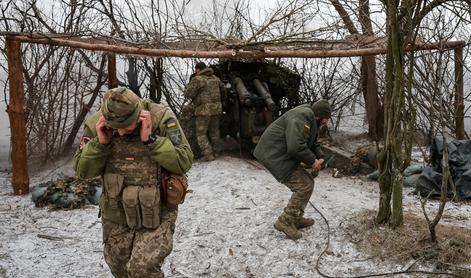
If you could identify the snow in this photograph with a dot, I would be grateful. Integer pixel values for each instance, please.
(224, 228)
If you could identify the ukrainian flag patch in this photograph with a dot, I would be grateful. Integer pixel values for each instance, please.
(171, 123)
(307, 131)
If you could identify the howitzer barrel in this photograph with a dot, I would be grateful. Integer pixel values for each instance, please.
(265, 94)
(242, 92)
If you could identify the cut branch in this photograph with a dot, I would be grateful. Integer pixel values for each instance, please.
(267, 52)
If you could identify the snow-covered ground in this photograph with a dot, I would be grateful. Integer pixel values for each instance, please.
(224, 228)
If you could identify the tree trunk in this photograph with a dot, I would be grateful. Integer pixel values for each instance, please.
(390, 162)
(374, 109)
(368, 78)
(397, 114)
(385, 188)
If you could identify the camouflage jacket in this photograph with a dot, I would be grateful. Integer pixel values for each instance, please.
(205, 89)
(170, 150)
(288, 141)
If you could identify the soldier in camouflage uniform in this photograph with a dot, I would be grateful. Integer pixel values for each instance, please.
(287, 142)
(129, 142)
(205, 90)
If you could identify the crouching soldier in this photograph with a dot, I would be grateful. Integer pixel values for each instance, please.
(287, 142)
(136, 146)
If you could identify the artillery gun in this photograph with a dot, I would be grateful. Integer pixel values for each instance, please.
(257, 93)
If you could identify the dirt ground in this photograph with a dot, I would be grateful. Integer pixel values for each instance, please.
(411, 244)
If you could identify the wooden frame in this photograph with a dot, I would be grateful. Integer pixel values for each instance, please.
(20, 178)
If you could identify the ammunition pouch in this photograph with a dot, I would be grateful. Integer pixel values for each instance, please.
(113, 184)
(149, 199)
(174, 188)
(110, 201)
(132, 205)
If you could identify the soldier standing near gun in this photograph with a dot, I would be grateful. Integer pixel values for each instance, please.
(141, 152)
(205, 90)
(287, 142)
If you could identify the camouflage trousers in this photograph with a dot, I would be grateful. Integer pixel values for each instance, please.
(301, 184)
(138, 253)
(207, 125)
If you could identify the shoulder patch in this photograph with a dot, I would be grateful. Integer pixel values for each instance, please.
(175, 136)
(171, 123)
(173, 132)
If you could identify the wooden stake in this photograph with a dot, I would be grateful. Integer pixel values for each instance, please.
(459, 94)
(20, 178)
(112, 79)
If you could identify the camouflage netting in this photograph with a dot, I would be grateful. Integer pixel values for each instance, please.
(67, 193)
(282, 82)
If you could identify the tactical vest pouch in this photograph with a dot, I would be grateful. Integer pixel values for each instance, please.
(113, 184)
(149, 199)
(131, 206)
(174, 189)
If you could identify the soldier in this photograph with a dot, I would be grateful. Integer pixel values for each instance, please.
(130, 142)
(205, 90)
(287, 142)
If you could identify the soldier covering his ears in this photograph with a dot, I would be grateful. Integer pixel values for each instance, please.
(130, 142)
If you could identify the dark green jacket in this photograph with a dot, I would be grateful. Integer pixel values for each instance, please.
(288, 141)
(91, 157)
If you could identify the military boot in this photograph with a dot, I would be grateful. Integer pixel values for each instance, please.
(285, 224)
(304, 222)
(208, 155)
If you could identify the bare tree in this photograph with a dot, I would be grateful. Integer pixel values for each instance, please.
(77, 75)
(57, 80)
(403, 20)
(374, 109)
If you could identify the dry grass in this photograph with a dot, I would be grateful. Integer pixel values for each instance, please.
(411, 242)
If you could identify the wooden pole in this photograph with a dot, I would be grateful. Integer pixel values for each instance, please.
(459, 94)
(20, 178)
(267, 52)
(112, 79)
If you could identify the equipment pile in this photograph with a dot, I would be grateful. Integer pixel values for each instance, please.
(67, 193)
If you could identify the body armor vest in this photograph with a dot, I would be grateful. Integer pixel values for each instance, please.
(132, 184)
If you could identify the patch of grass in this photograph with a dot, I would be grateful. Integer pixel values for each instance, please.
(411, 242)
